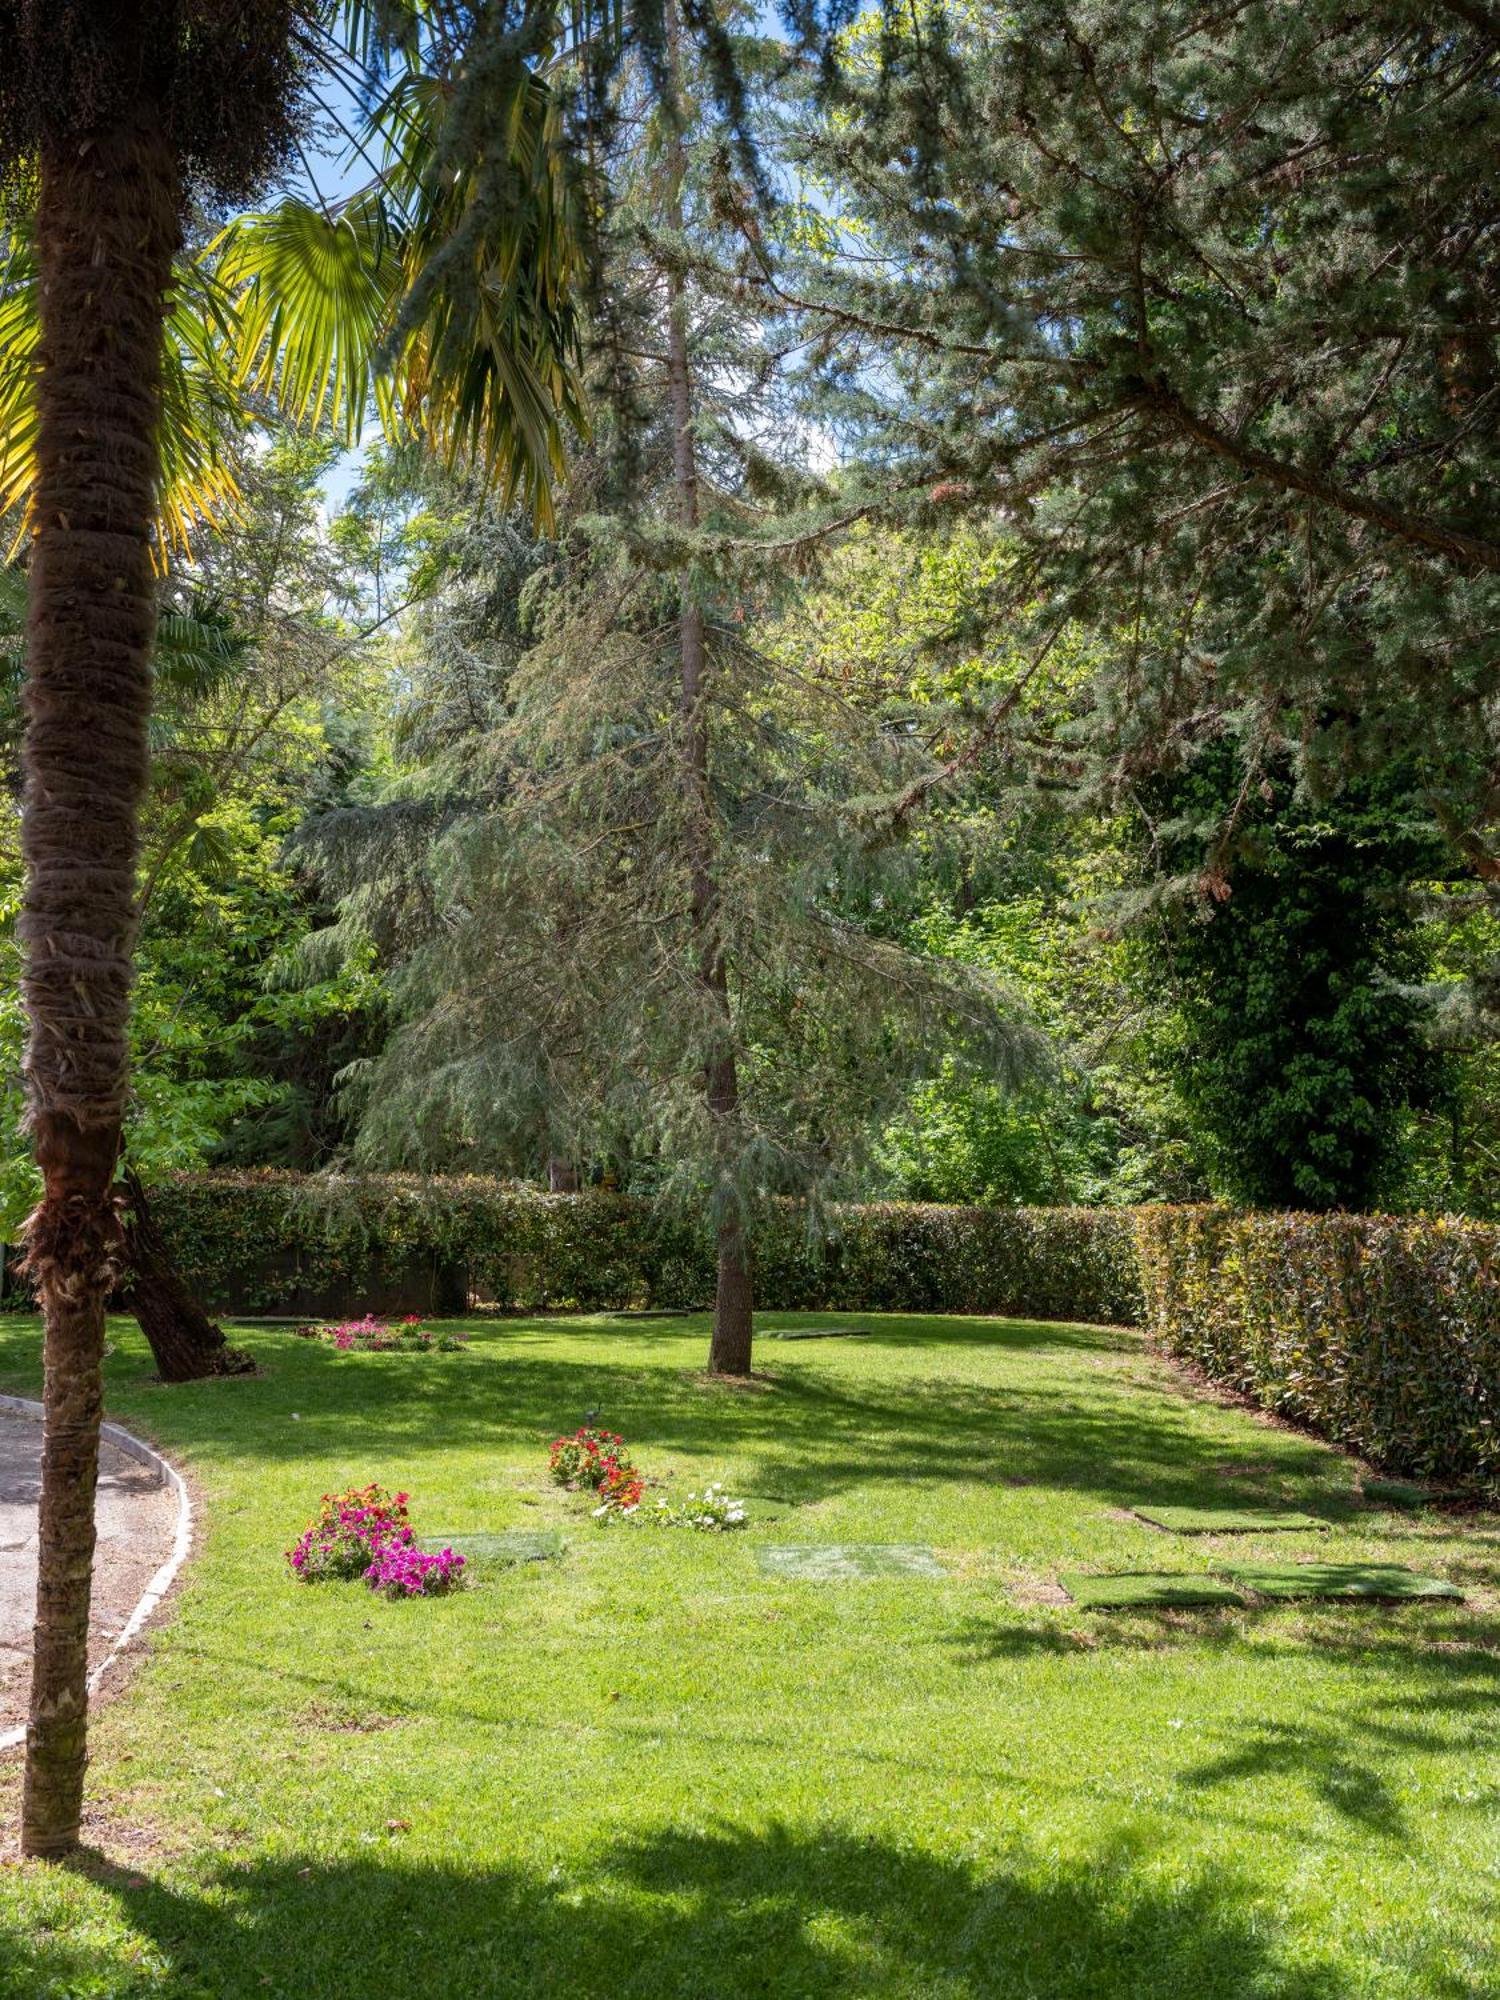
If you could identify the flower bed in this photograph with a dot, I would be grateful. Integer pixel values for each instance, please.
(366, 1532)
(380, 1336)
(597, 1461)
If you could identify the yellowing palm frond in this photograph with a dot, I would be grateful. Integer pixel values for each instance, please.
(200, 401)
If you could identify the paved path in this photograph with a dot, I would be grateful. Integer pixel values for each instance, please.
(136, 1514)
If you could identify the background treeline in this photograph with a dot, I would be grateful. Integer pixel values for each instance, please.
(1314, 1032)
(1001, 708)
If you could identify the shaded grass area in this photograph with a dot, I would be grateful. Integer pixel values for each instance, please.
(650, 1769)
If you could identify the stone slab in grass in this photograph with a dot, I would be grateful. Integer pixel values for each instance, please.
(834, 1562)
(1405, 1495)
(1339, 1580)
(515, 1545)
(1227, 1520)
(1146, 1590)
(816, 1333)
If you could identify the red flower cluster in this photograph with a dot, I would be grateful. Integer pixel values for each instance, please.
(597, 1459)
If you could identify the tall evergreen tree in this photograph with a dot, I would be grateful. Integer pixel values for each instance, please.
(1200, 307)
(645, 915)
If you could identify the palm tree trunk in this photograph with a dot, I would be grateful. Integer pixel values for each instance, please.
(729, 1348)
(106, 229)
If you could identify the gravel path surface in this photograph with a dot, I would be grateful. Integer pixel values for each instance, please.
(136, 1514)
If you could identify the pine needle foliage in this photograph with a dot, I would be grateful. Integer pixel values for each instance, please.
(590, 840)
(1200, 304)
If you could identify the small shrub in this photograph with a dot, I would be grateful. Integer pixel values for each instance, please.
(589, 1458)
(348, 1533)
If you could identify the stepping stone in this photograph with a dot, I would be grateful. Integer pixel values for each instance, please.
(1348, 1580)
(516, 1545)
(817, 1333)
(1146, 1588)
(831, 1562)
(1403, 1494)
(1227, 1520)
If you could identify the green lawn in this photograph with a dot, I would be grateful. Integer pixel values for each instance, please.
(653, 1769)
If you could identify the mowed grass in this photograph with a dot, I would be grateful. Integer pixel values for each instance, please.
(653, 1769)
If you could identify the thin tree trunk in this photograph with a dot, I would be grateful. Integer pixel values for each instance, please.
(729, 1349)
(185, 1343)
(106, 228)
(562, 1175)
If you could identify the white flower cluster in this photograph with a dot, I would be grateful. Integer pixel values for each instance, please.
(712, 1509)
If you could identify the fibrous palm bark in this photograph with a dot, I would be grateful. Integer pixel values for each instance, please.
(107, 108)
(106, 230)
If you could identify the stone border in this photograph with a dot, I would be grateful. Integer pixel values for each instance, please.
(162, 1581)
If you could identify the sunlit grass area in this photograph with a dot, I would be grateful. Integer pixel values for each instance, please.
(653, 1769)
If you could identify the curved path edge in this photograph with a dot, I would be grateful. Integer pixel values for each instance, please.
(161, 1582)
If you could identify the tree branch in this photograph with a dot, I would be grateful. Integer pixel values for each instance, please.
(1472, 551)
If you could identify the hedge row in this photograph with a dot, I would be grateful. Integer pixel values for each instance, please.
(1379, 1332)
(268, 1242)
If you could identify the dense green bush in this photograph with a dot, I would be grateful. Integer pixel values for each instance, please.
(1380, 1332)
(267, 1240)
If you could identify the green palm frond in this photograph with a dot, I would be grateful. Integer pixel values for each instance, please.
(313, 291)
(198, 651)
(449, 312)
(490, 328)
(443, 307)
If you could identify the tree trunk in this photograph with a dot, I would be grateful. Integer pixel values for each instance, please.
(562, 1175)
(186, 1344)
(106, 229)
(729, 1348)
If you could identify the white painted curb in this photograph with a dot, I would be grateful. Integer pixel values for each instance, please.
(161, 1583)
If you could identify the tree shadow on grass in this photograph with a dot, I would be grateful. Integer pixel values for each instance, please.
(816, 1435)
(1318, 1756)
(720, 1914)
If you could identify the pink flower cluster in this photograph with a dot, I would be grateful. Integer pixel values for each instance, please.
(365, 1532)
(379, 1336)
(400, 1569)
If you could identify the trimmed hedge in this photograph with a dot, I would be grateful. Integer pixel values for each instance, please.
(1381, 1333)
(268, 1241)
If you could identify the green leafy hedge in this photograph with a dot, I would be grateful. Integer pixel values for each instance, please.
(1379, 1332)
(268, 1241)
